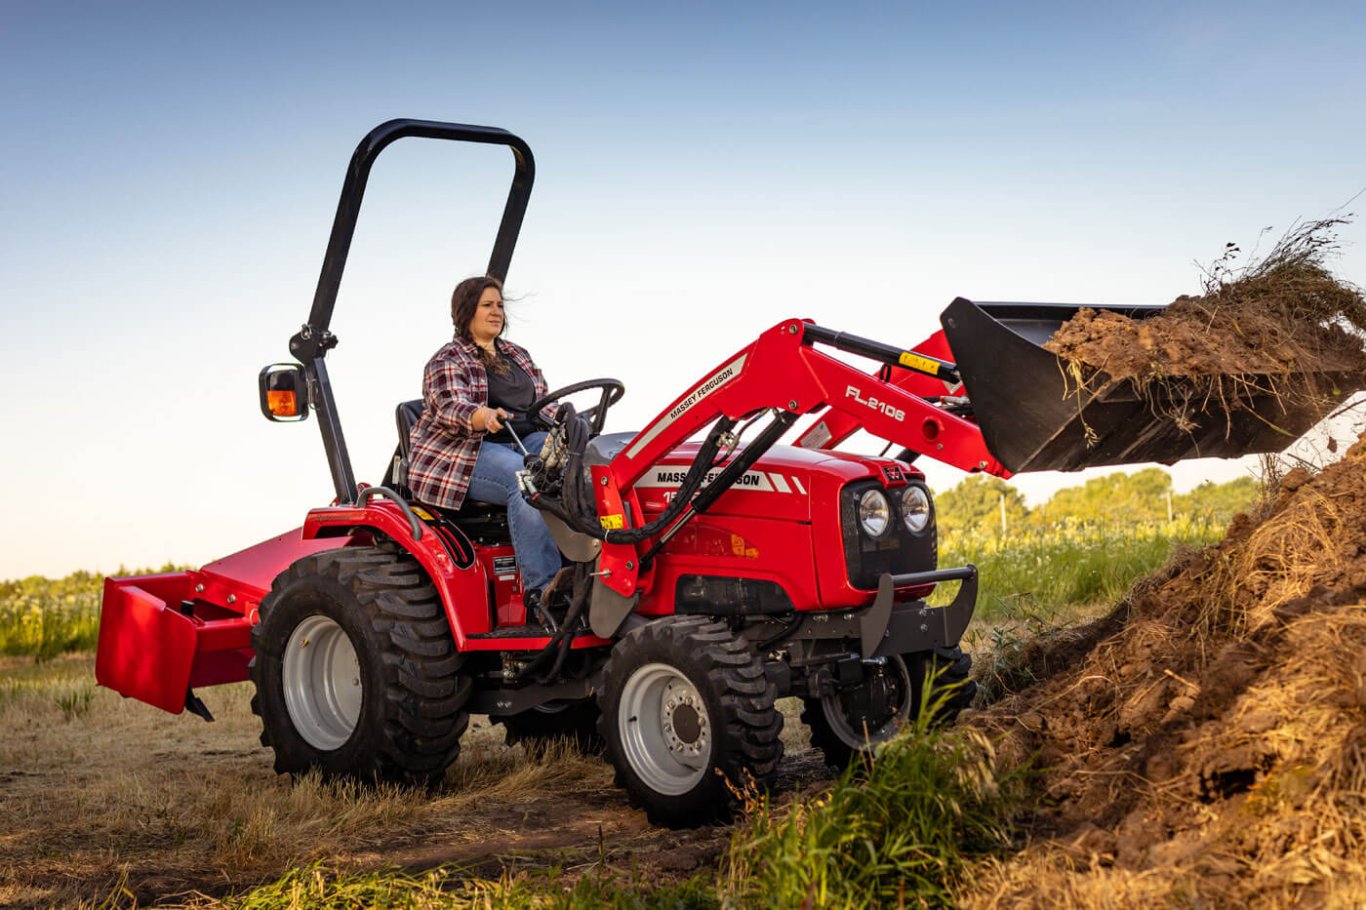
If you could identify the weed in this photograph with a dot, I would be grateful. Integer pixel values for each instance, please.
(75, 702)
(894, 830)
(44, 617)
(315, 887)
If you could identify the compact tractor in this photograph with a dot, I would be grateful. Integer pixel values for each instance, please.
(709, 571)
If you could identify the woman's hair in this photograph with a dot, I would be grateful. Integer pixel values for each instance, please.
(464, 302)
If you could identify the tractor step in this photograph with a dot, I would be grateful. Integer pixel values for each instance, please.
(525, 638)
(527, 631)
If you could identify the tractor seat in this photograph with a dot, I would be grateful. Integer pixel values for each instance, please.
(406, 416)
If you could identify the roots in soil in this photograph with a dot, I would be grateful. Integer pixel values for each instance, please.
(1211, 751)
(1283, 326)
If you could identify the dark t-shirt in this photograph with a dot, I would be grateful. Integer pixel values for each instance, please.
(513, 391)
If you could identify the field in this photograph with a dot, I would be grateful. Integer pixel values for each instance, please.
(107, 800)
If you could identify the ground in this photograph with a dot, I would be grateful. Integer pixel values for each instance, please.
(96, 790)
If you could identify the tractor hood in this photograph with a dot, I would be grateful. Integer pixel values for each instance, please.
(781, 485)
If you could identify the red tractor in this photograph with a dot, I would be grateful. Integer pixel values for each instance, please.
(704, 580)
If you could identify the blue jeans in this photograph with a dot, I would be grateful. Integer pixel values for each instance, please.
(494, 481)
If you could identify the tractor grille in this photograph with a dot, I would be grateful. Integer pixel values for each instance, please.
(897, 550)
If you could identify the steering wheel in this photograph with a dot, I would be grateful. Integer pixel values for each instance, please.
(612, 390)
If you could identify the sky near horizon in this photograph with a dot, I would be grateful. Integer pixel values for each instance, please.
(169, 173)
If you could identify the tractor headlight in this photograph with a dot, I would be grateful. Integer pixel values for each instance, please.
(874, 513)
(915, 508)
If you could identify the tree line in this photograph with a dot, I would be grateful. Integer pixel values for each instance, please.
(984, 504)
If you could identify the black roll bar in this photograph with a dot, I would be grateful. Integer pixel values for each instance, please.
(313, 340)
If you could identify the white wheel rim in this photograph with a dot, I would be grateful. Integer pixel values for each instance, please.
(665, 729)
(323, 691)
(859, 737)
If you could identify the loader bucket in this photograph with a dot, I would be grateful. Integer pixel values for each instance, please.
(1034, 419)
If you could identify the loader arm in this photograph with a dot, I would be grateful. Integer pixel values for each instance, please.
(783, 372)
(833, 426)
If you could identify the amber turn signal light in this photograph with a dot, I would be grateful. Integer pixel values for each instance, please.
(282, 404)
(284, 392)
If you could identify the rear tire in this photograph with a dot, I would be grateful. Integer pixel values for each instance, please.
(840, 739)
(575, 723)
(688, 717)
(356, 671)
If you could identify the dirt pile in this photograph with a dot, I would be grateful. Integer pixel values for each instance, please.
(1210, 750)
(1283, 326)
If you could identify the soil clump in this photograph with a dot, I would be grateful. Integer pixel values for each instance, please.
(1284, 326)
(1211, 751)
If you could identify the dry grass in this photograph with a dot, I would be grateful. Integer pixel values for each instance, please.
(120, 800)
(1211, 751)
(120, 788)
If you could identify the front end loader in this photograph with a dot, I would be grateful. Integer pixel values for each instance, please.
(708, 569)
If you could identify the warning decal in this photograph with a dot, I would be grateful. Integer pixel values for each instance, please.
(915, 362)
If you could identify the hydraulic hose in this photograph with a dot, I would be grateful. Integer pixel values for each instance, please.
(562, 641)
(579, 507)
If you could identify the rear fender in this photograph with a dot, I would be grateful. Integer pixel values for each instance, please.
(448, 558)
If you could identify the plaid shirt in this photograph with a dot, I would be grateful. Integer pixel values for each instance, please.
(445, 443)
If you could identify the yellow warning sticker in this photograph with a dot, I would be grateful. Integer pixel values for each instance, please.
(612, 522)
(916, 362)
(423, 513)
(741, 548)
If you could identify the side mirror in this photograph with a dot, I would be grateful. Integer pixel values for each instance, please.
(284, 392)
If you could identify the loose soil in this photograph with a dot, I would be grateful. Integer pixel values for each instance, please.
(1205, 744)
(1284, 326)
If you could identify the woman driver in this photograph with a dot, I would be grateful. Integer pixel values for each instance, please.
(473, 390)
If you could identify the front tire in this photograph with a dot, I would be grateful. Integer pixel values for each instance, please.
(840, 738)
(688, 717)
(356, 671)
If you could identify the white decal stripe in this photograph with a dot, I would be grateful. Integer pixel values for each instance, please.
(780, 482)
(672, 478)
(800, 489)
(702, 390)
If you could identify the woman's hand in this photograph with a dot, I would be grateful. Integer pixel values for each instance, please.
(490, 420)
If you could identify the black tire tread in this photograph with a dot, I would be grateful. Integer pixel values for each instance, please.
(950, 668)
(749, 746)
(425, 696)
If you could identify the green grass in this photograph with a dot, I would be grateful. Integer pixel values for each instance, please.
(1032, 571)
(316, 887)
(43, 617)
(894, 831)
(1044, 572)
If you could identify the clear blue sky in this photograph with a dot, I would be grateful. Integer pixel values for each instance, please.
(169, 172)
